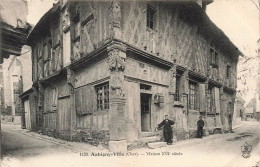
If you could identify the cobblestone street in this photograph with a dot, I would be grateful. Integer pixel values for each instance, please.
(25, 148)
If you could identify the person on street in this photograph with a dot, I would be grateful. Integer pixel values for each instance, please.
(200, 125)
(167, 129)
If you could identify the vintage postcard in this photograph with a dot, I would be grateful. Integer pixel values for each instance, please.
(130, 83)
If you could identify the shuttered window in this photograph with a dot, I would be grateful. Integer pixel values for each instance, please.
(211, 100)
(47, 58)
(66, 48)
(192, 95)
(85, 100)
(177, 90)
(102, 92)
(150, 16)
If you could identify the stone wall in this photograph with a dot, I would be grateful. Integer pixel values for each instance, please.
(94, 137)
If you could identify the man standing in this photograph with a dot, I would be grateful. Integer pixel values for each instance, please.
(200, 125)
(167, 129)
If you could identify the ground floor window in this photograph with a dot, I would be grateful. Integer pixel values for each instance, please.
(192, 95)
(102, 92)
(177, 89)
(211, 100)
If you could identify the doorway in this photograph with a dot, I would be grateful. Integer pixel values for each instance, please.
(145, 112)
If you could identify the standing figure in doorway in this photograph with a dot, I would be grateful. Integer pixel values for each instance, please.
(167, 129)
(200, 125)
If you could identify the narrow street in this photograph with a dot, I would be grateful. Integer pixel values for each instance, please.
(25, 148)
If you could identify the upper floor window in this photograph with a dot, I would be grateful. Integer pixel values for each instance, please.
(150, 16)
(228, 71)
(77, 29)
(66, 48)
(76, 38)
(47, 57)
(213, 58)
(102, 92)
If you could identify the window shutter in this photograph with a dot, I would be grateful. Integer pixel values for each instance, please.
(89, 98)
(202, 100)
(84, 100)
(94, 99)
(217, 100)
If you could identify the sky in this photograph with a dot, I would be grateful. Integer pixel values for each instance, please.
(238, 19)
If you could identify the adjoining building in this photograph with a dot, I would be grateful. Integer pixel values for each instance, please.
(107, 72)
(239, 111)
(15, 81)
(258, 107)
(13, 35)
(250, 109)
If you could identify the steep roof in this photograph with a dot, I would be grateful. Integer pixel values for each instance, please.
(43, 23)
(194, 14)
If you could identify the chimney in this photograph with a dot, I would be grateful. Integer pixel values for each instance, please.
(203, 3)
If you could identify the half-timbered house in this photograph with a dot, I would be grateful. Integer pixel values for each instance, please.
(108, 71)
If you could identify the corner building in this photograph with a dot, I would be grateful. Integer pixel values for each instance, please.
(108, 72)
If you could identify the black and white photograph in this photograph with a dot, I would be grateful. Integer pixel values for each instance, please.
(134, 83)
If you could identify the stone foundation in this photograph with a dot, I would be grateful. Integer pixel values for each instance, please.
(94, 138)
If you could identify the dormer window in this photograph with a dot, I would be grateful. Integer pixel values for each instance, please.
(213, 58)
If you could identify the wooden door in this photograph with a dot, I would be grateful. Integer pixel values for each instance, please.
(27, 114)
(145, 112)
(64, 114)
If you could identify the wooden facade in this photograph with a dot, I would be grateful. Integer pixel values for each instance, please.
(108, 72)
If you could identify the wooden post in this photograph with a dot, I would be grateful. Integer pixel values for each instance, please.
(206, 106)
(222, 109)
(209, 73)
(71, 83)
(172, 87)
(41, 104)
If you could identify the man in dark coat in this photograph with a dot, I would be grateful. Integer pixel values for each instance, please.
(167, 129)
(200, 125)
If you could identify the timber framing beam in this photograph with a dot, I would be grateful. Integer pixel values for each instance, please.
(12, 40)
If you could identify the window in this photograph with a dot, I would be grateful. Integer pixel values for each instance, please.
(150, 16)
(76, 39)
(66, 48)
(102, 96)
(192, 95)
(213, 58)
(228, 71)
(177, 90)
(211, 100)
(145, 87)
(47, 57)
(77, 30)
